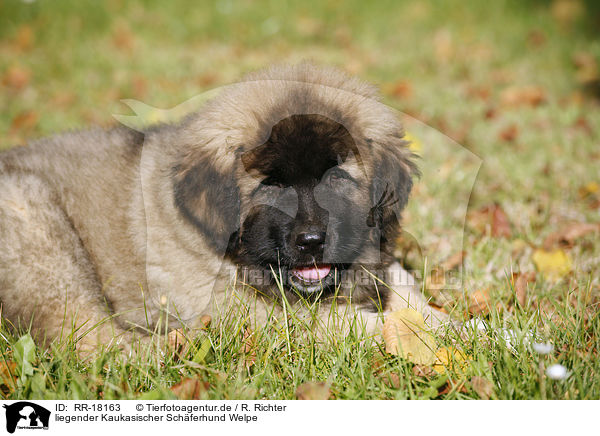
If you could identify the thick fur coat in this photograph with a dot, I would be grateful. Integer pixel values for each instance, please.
(105, 231)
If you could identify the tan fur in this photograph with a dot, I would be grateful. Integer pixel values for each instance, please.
(89, 227)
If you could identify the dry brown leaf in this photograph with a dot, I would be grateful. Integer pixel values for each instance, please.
(566, 12)
(16, 77)
(509, 133)
(249, 345)
(424, 371)
(191, 389)
(24, 121)
(490, 113)
(522, 96)
(520, 282)
(452, 386)
(178, 343)
(482, 387)
(313, 391)
(24, 38)
(587, 67)
(405, 334)
(401, 89)
(8, 378)
(568, 234)
(536, 38)
(479, 302)
(453, 261)
(479, 92)
(123, 38)
(500, 223)
(582, 123)
(205, 320)
(392, 380)
(492, 217)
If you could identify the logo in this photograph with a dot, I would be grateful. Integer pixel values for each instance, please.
(26, 415)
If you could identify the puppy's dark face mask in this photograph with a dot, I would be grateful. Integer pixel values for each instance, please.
(310, 216)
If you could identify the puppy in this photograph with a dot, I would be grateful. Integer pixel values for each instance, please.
(285, 192)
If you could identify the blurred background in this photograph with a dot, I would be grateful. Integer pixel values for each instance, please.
(516, 83)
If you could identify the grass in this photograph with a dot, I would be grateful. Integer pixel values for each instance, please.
(65, 65)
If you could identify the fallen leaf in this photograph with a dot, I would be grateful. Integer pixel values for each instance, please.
(16, 77)
(500, 223)
(587, 67)
(191, 389)
(424, 371)
(509, 133)
(553, 264)
(479, 302)
(584, 125)
(490, 113)
(450, 357)
(178, 343)
(516, 96)
(520, 283)
(566, 12)
(491, 217)
(205, 320)
(453, 261)
(482, 387)
(313, 391)
(405, 335)
(401, 89)
(392, 380)
(451, 386)
(123, 37)
(8, 377)
(24, 38)
(480, 92)
(207, 79)
(24, 121)
(568, 234)
(249, 349)
(536, 38)
(589, 189)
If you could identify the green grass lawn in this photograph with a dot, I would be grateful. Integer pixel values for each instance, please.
(515, 83)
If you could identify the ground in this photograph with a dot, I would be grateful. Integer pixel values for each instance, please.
(514, 83)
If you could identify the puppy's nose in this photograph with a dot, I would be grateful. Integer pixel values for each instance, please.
(310, 241)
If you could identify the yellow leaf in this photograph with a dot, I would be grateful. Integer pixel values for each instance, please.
(553, 264)
(405, 335)
(415, 145)
(450, 357)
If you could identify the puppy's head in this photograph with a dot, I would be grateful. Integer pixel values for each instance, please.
(316, 195)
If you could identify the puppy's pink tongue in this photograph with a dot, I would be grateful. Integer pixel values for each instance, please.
(312, 273)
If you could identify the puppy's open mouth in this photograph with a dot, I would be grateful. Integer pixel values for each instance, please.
(311, 278)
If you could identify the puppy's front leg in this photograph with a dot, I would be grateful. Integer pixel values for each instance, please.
(404, 294)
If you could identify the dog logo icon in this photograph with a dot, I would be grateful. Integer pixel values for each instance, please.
(26, 415)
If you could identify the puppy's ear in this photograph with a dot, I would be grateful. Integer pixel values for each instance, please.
(210, 200)
(390, 189)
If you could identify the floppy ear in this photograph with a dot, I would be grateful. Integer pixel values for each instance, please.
(210, 200)
(390, 189)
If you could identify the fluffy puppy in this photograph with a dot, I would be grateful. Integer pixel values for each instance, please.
(287, 188)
